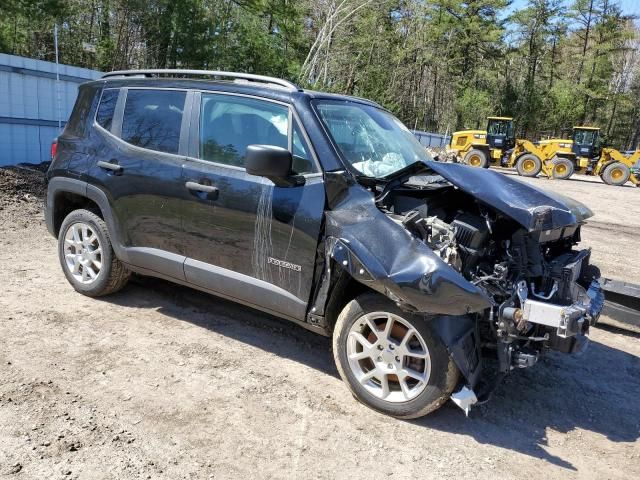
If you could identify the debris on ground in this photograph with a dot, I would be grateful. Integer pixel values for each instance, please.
(22, 191)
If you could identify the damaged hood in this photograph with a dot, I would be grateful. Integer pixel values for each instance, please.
(531, 207)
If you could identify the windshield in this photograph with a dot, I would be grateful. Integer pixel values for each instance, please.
(584, 137)
(500, 127)
(373, 141)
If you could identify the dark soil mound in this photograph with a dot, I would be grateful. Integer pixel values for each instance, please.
(22, 192)
(21, 182)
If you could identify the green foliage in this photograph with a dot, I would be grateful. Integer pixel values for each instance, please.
(440, 65)
(473, 107)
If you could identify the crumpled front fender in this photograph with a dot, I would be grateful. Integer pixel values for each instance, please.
(420, 284)
(381, 254)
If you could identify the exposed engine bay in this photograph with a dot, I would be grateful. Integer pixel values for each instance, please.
(544, 294)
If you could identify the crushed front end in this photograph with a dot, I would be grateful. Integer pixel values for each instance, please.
(543, 292)
(550, 297)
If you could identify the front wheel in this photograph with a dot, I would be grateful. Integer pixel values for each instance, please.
(392, 361)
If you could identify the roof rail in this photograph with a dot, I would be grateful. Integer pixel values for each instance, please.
(210, 73)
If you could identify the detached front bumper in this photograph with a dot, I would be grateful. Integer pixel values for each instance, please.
(567, 325)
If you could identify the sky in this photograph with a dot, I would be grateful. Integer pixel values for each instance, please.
(628, 6)
(631, 6)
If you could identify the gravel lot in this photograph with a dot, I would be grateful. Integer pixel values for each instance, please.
(614, 230)
(160, 381)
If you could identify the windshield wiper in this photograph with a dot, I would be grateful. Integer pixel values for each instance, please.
(399, 177)
(405, 173)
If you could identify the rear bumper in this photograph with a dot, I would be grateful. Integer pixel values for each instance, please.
(48, 216)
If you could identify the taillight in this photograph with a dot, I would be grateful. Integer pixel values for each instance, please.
(54, 149)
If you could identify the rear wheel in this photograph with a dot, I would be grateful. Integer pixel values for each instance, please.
(477, 158)
(86, 255)
(616, 174)
(563, 168)
(528, 165)
(392, 361)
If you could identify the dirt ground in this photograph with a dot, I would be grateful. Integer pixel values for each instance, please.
(160, 381)
(613, 232)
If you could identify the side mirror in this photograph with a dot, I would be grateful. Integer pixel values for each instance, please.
(273, 163)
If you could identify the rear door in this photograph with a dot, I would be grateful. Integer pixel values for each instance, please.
(244, 237)
(138, 164)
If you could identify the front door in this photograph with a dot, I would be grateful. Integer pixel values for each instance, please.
(244, 237)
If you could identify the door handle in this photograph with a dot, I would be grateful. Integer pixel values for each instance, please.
(210, 190)
(114, 167)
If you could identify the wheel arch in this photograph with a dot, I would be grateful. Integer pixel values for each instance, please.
(423, 285)
(480, 146)
(458, 333)
(65, 202)
(67, 194)
(602, 165)
(524, 153)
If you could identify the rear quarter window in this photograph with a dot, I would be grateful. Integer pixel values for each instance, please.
(77, 124)
(104, 116)
(152, 119)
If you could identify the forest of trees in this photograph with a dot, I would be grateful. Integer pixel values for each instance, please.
(439, 65)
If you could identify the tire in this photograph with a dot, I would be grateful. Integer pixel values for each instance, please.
(528, 165)
(616, 173)
(418, 397)
(476, 158)
(591, 272)
(87, 257)
(563, 168)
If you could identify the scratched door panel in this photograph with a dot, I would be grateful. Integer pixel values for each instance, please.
(137, 162)
(251, 227)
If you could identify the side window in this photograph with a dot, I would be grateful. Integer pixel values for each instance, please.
(302, 162)
(229, 124)
(104, 117)
(152, 119)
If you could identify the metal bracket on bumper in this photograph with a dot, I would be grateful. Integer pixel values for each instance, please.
(569, 320)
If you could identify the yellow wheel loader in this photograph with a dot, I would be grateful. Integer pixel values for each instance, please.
(611, 165)
(482, 148)
(497, 146)
(553, 159)
(615, 168)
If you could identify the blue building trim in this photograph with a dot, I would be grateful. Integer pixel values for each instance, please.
(42, 74)
(31, 121)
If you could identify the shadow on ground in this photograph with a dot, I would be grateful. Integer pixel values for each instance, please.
(596, 392)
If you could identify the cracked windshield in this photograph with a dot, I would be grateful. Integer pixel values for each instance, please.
(373, 141)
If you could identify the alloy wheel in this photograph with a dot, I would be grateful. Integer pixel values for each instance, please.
(82, 253)
(388, 356)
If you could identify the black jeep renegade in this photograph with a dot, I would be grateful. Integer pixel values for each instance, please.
(434, 279)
